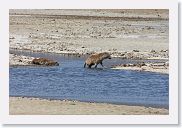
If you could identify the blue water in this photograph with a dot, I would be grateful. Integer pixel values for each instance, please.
(71, 81)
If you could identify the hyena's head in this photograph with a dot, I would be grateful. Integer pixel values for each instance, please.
(106, 55)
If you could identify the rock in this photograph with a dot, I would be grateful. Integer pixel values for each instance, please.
(130, 65)
(114, 49)
(143, 64)
(164, 51)
(124, 65)
(129, 55)
(158, 64)
(135, 50)
(153, 51)
(122, 54)
(167, 63)
(150, 28)
(12, 38)
(44, 61)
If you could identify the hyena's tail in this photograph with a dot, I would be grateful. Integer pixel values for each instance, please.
(84, 65)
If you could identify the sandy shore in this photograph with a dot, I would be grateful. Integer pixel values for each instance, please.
(144, 68)
(148, 67)
(86, 31)
(19, 60)
(35, 106)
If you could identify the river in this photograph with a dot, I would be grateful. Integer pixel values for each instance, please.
(71, 81)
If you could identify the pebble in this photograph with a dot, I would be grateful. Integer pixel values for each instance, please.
(12, 38)
(135, 50)
(152, 51)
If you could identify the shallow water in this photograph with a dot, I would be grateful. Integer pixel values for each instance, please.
(71, 81)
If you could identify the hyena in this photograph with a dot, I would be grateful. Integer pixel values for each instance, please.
(43, 61)
(96, 59)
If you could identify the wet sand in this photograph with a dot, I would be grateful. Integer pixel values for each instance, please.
(36, 106)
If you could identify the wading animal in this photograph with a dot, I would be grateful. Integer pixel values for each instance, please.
(96, 59)
(45, 62)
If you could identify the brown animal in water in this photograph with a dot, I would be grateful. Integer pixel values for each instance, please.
(96, 59)
(44, 61)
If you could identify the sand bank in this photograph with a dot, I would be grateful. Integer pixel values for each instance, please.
(19, 60)
(149, 67)
(36, 106)
(88, 31)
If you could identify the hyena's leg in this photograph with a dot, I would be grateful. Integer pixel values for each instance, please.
(96, 65)
(90, 66)
(84, 65)
(101, 64)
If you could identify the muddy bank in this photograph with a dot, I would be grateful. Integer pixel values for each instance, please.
(36, 106)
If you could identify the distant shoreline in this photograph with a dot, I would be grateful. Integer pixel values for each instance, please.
(91, 17)
(35, 106)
